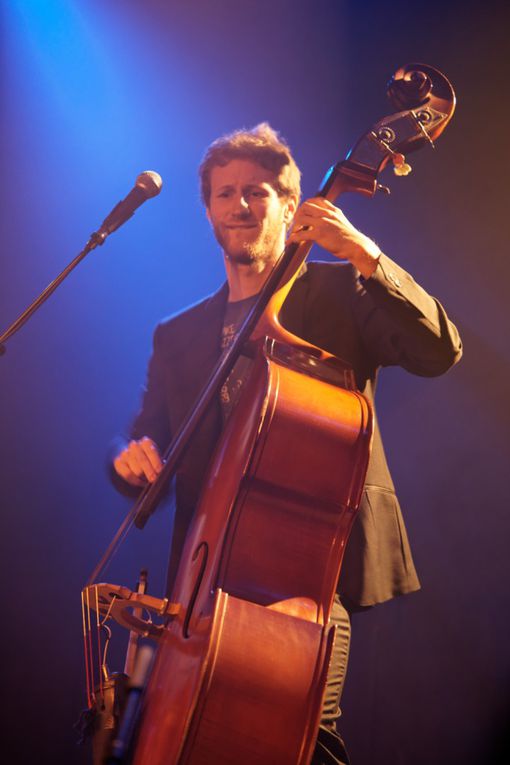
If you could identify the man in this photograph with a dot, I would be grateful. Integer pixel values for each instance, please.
(366, 310)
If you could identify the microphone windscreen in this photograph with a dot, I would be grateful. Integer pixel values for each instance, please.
(150, 183)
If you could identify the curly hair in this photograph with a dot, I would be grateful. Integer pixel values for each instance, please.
(262, 145)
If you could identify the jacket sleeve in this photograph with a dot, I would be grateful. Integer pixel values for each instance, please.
(152, 417)
(401, 324)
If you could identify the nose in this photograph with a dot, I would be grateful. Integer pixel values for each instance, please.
(241, 205)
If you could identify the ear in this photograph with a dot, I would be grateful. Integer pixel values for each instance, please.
(290, 211)
(208, 215)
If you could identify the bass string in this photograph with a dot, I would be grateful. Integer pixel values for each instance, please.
(100, 662)
(85, 652)
(87, 648)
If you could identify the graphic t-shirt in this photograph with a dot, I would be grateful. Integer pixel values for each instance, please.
(235, 314)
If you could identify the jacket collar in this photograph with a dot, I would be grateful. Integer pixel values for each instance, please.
(203, 340)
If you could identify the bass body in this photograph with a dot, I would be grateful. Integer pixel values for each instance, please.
(241, 671)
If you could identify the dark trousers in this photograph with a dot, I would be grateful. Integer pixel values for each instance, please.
(329, 749)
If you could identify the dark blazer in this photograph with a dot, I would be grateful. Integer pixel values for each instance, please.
(385, 320)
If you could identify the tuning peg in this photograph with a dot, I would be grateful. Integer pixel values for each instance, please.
(400, 166)
(384, 189)
(402, 170)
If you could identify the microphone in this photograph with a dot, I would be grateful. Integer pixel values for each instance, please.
(147, 185)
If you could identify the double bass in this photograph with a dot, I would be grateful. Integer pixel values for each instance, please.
(261, 561)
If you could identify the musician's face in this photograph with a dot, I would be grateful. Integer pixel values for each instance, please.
(247, 214)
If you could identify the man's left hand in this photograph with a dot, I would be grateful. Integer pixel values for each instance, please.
(319, 221)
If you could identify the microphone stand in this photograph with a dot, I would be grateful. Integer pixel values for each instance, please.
(95, 240)
(148, 184)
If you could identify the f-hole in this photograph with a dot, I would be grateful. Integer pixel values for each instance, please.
(203, 548)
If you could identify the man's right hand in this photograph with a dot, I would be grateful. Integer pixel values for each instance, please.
(140, 462)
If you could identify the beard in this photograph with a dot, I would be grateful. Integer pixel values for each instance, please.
(244, 250)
